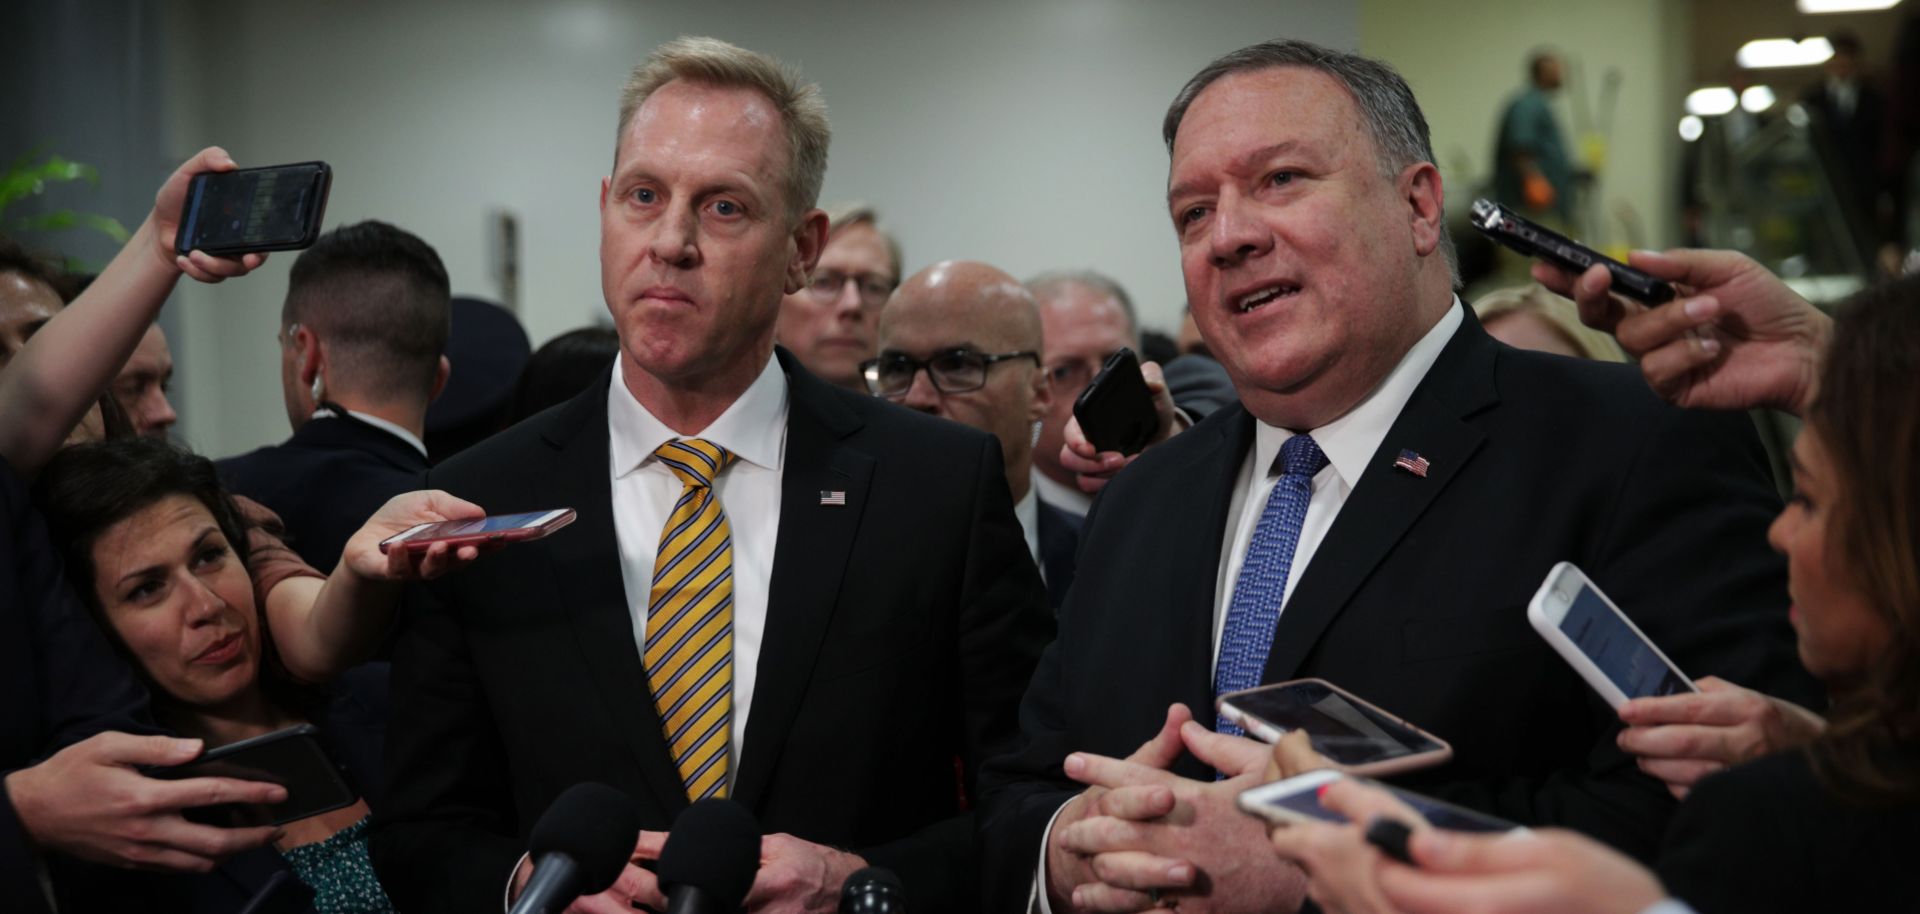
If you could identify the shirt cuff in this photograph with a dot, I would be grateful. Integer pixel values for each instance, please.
(1037, 898)
(1669, 906)
(506, 894)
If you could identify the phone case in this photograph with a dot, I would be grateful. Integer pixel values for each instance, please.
(515, 535)
(1116, 410)
(312, 220)
(1537, 615)
(1266, 731)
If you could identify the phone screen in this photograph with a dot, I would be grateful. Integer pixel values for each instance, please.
(1306, 802)
(493, 524)
(252, 208)
(1619, 651)
(1344, 732)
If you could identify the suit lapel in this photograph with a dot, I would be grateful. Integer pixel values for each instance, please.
(1210, 475)
(586, 569)
(809, 560)
(1387, 501)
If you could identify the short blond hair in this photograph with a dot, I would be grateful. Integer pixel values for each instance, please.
(712, 62)
(843, 216)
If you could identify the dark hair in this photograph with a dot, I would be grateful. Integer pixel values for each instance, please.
(566, 365)
(87, 488)
(1387, 106)
(15, 258)
(1845, 43)
(379, 297)
(1867, 419)
(1537, 61)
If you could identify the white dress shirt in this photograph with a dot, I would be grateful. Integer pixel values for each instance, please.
(754, 428)
(1027, 511)
(1066, 498)
(391, 428)
(1349, 443)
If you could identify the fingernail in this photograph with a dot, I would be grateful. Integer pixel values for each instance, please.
(1077, 901)
(1075, 764)
(187, 746)
(1180, 873)
(1698, 308)
(1323, 789)
(1709, 345)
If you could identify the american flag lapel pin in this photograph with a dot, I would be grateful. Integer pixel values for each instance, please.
(836, 498)
(1412, 462)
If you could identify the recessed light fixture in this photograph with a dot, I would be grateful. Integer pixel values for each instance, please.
(1845, 6)
(1756, 99)
(1691, 127)
(1712, 101)
(1769, 53)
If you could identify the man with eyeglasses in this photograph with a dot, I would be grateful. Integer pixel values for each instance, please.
(962, 341)
(829, 324)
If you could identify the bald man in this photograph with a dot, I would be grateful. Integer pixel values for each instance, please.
(962, 340)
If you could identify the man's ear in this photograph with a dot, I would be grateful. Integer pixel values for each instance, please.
(1426, 202)
(441, 372)
(606, 185)
(1042, 394)
(309, 358)
(809, 239)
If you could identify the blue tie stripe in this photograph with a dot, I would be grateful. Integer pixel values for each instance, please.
(1254, 610)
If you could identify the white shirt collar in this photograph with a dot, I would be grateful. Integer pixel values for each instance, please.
(379, 423)
(754, 427)
(1027, 509)
(1351, 440)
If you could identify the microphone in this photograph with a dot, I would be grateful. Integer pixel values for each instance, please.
(710, 858)
(873, 890)
(579, 847)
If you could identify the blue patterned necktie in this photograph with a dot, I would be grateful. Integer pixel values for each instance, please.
(1255, 609)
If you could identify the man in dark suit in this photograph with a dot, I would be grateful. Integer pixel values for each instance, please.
(1378, 513)
(362, 342)
(800, 598)
(961, 340)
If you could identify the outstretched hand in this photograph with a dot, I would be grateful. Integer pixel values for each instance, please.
(404, 512)
(167, 207)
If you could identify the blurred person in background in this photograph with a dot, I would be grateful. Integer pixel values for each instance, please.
(141, 387)
(363, 334)
(1530, 317)
(829, 325)
(962, 341)
(565, 366)
(1850, 110)
(1532, 171)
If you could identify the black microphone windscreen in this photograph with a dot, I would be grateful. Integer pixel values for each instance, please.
(594, 824)
(872, 890)
(715, 846)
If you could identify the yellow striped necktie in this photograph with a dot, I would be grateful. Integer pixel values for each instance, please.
(689, 655)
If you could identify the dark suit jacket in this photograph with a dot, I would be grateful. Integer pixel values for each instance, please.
(901, 630)
(1768, 836)
(1415, 599)
(1059, 540)
(325, 481)
(61, 681)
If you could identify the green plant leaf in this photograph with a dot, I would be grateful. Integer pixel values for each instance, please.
(27, 179)
(64, 219)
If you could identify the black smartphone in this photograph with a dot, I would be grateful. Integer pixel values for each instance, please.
(277, 208)
(1116, 410)
(292, 758)
(1514, 231)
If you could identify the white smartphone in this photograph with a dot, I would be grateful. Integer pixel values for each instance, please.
(1601, 643)
(1357, 737)
(1297, 799)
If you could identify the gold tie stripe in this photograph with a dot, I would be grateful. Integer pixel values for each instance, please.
(689, 655)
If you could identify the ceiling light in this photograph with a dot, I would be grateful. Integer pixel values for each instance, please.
(1691, 127)
(1756, 99)
(1767, 53)
(1711, 101)
(1845, 6)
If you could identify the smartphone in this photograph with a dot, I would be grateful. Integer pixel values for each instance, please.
(1356, 736)
(1508, 228)
(292, 758)
(1116, 410)
(1602, 644)
(1297, 799)
(277, 208)
(499, 528)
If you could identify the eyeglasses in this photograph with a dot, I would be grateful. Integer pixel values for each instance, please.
(953, 371)
(872, 288)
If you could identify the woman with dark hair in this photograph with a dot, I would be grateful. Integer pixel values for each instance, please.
(156, 550)
(1813, 813)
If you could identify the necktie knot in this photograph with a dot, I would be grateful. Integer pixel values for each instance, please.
(1300, 455)
(695, 461)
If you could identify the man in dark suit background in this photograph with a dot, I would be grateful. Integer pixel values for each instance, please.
(363, 334)
(1377, 514)
(806, 600)
(962, 340)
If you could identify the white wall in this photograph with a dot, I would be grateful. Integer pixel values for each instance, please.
(1025, 134)
(1466, 60)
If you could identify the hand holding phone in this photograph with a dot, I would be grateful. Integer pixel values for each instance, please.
(1297, 799)
(1116, 411)
(1598, 640)
(500, 528)
(292, 758)
(1511, 230)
